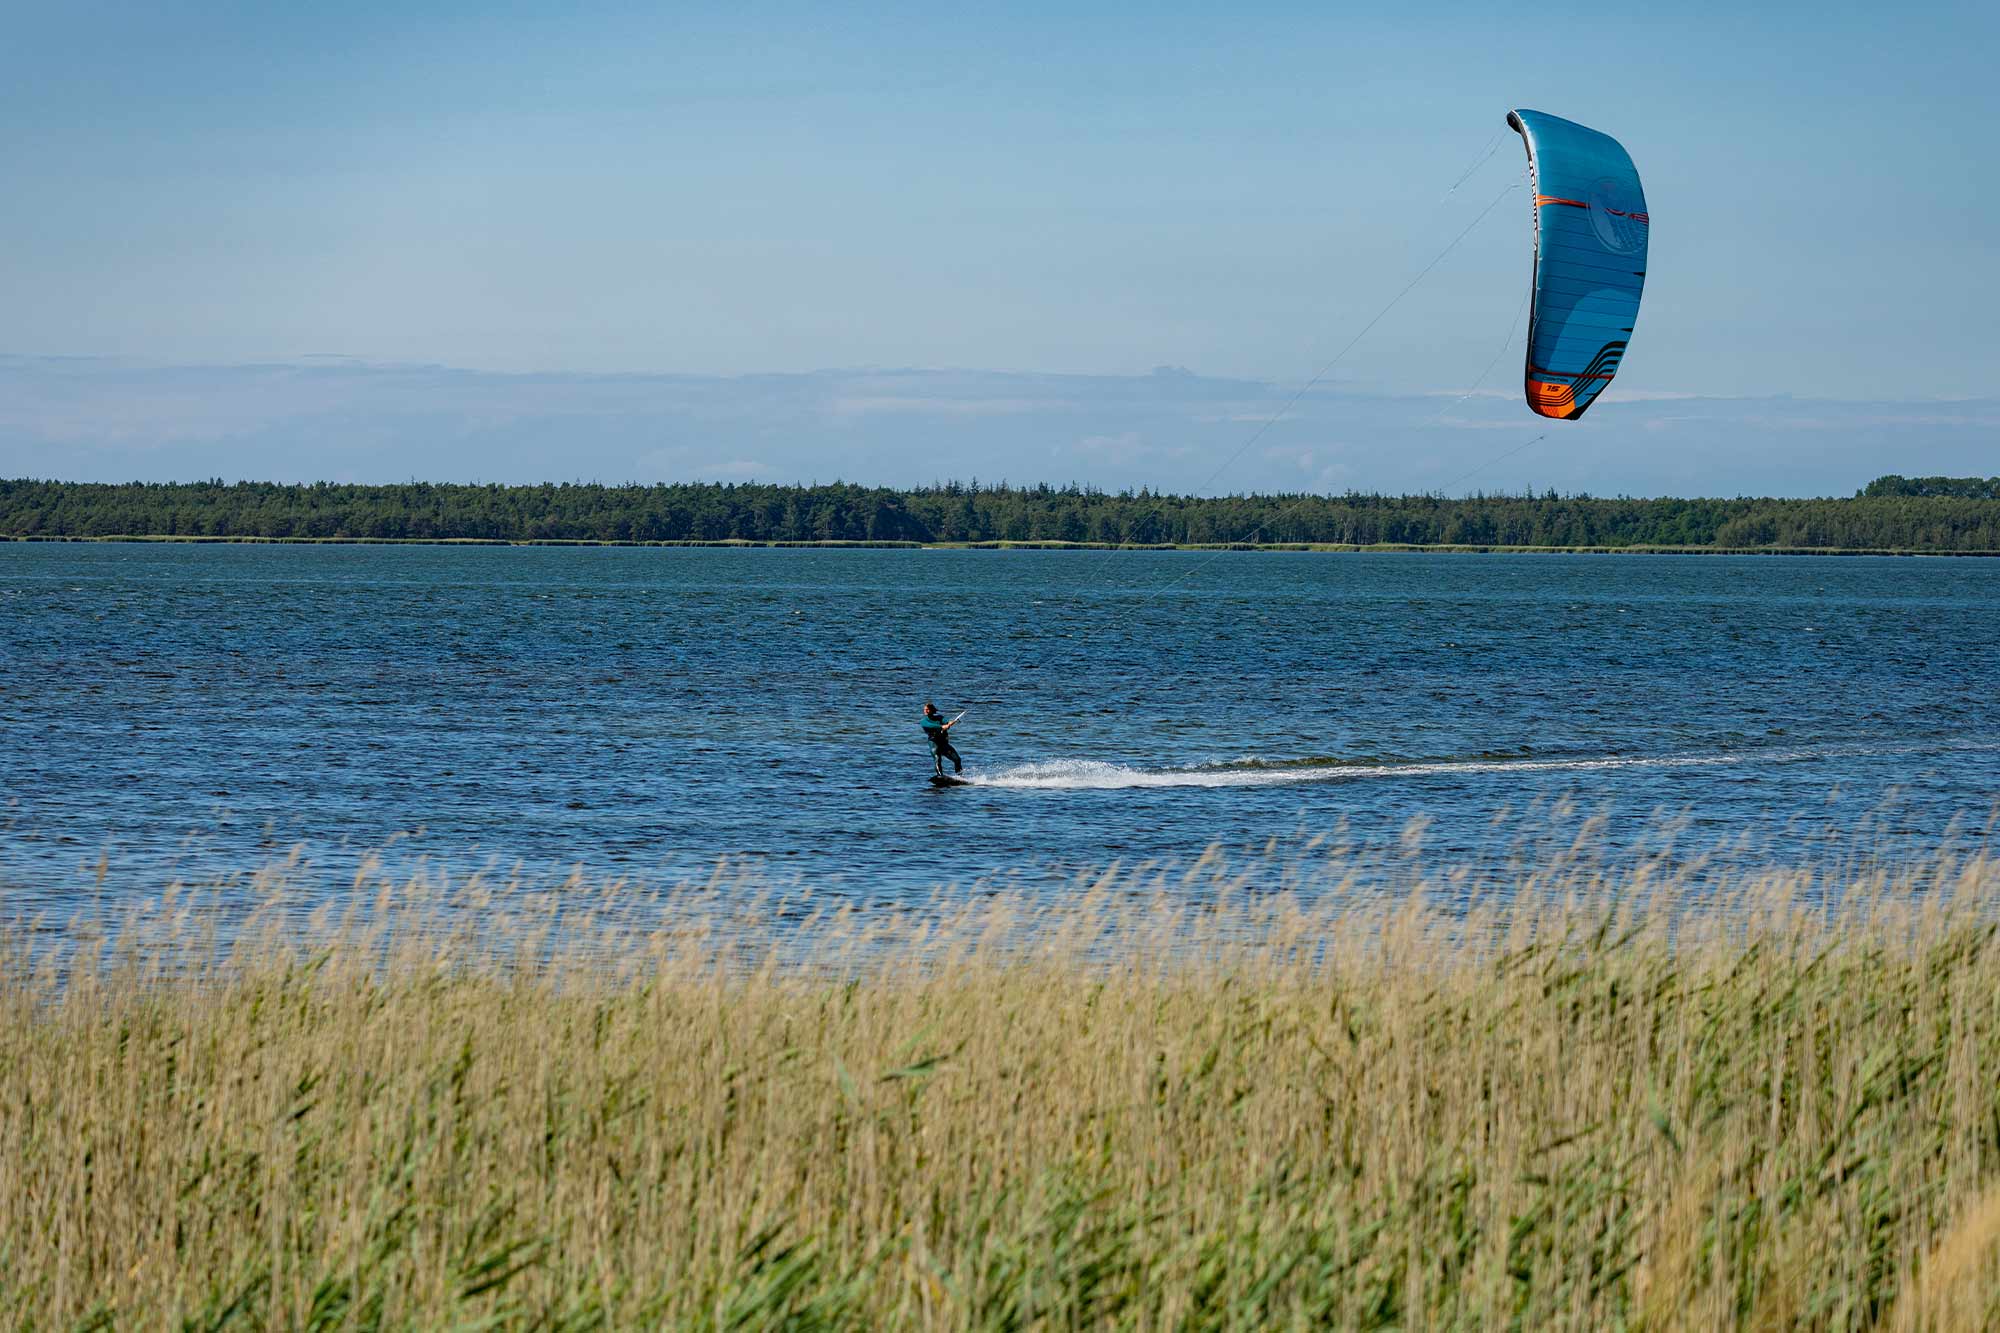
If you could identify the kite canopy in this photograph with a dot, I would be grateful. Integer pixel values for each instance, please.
(1590, 260)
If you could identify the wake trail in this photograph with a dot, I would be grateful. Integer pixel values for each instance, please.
(1095, 775)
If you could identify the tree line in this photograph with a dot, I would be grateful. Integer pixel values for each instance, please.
(1963, 488)
(1925, 514)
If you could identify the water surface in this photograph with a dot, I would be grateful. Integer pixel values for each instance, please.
(197, 709)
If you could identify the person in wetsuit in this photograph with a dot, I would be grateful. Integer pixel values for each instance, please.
(935, 731)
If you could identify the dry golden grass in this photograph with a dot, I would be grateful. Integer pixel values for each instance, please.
(1168, 1102)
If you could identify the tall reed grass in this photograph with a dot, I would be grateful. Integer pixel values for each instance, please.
(1646, 1098)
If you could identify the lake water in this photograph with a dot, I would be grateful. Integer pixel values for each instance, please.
(195, 710)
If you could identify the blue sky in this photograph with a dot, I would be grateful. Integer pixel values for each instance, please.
(669, 194)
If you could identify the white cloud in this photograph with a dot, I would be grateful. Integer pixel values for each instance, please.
(943, 407)
(1617, 395)
(1126, 447)
(737, 469)
(104, 420)
(1876, 421)
(1461, 423)
(1301, 460)
(685, 464)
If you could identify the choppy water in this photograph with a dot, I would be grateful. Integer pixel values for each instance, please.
(170, 709)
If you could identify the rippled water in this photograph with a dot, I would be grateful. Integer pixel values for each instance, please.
(194, 709)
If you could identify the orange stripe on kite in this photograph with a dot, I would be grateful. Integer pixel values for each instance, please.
(1541, 199)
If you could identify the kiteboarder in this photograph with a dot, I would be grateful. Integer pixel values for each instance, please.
(936, 731)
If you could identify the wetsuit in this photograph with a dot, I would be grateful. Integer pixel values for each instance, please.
(940, 739)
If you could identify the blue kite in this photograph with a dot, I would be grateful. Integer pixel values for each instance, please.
(1591, 230)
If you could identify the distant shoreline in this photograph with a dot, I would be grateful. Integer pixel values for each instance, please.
(1248, 548)
(1891, 516)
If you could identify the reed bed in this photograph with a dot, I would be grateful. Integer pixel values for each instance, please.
(1206, 1097)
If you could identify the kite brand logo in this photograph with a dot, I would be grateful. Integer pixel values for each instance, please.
(1550, 396)
(1621, 227)
(1550, 399)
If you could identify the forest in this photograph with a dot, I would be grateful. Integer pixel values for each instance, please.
(1937, 514)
